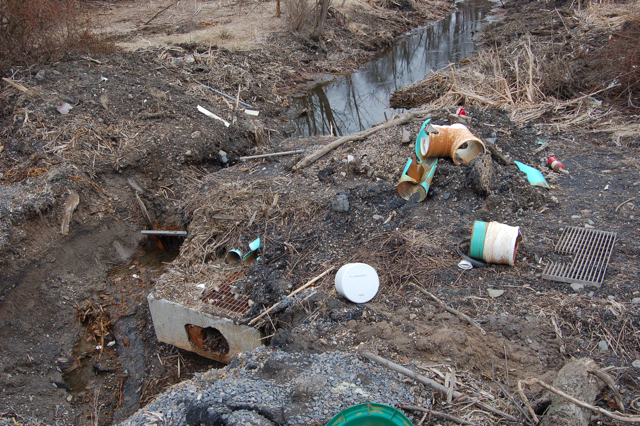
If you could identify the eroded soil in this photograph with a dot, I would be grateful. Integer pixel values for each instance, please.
(135, 133)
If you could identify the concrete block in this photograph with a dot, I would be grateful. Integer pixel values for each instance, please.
(211, 336)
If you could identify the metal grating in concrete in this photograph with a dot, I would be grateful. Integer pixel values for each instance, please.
(591, 250)
(229, 304)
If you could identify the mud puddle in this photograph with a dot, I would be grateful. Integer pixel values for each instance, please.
(355, 102)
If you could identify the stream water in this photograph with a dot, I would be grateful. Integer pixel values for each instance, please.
(355, 102)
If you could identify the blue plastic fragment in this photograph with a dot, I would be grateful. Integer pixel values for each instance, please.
(534, 176)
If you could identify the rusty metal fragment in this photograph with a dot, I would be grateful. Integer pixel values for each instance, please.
(416, 178)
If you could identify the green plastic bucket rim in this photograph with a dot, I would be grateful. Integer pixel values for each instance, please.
(476, 248)
(372, 410)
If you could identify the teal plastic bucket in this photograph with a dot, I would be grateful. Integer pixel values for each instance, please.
(370, 414)
(477, 239)
(494, 242)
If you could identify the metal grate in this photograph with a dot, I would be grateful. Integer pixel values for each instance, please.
(231, 305)
(592, 250)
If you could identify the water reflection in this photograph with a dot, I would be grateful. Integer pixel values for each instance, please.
(356, 102)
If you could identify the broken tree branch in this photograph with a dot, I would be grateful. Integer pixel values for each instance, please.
(404, 118)
(611, 384)
(274, 154)
(433, 384)
(293, 293)
(157, 14)
(621, 418)
(437, 414)
(456, 312)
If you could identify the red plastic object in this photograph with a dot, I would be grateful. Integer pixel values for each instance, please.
(555, 164)
(461, 111)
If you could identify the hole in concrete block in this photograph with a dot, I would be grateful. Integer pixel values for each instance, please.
(208, 339)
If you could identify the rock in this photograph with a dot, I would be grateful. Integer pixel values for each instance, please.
(495, 293)
(377, 217)
(446, 195)
(40, 76)
(636, 300)
(603, 345)
(196, 134)
(577, 287)
(406, 136)
(341, 203)
(491, 140)
(636, 363)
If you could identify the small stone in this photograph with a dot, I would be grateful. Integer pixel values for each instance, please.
(577, 287)
(350, 158)
(576, 217)
(636, 300)
(491, 140)
(341, 203)
(412, 316)
(196, 134)
(587, 226)
(606, 187)
(188, 153)
(495, 293)
(64, 108)
(611, 297)
(590, 222)
(406, 136)
(70, 398)
(446, 195)
(603, 346)
(40, 75)
(636, 363)
(377, 217)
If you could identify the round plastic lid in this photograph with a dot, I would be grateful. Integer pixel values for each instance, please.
(370, 414)
(359, 282)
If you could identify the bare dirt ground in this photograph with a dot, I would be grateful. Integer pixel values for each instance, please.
(77, 303)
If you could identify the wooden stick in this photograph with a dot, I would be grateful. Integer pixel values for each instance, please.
(456, 312)
(497, 154)
(252, 157)
(438, 414)
(144, 210)
(157, 14)
(432, 384)
(404, 118)
(624, 202)
(293, 293)
(526, 402)
(611, 384)
(621, 418)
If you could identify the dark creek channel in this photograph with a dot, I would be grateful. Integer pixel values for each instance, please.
(353, 103)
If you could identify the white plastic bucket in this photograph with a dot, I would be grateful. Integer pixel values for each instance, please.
(495, 242)
(357, 282)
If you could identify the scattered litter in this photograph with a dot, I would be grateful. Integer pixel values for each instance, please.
(254, 251)
(64, 108)
(165, 232)
(251, 112)
(577, 287)
(212, 115)
(227, 96)
(534, 176)
(556, 165)
(460, 111)
(455, 142)
(492, 141)
(370, 414)
(350, 158)
(377, 217)
(233, 256)
(465, 264)
(591, 250)
(494, 242)
(357, 282)
(201, 286)
(416, 178)
(111, 343)
(493, 293)
(103, 78)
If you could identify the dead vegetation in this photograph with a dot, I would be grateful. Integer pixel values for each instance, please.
(540, 76)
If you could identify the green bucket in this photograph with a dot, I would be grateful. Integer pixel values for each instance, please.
(476, 249)
(370, 414)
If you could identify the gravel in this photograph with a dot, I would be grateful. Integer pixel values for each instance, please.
(268, 386)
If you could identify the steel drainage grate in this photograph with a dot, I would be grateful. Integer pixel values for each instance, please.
(591, 249)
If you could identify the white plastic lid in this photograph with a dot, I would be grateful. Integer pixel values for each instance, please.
(358, 282)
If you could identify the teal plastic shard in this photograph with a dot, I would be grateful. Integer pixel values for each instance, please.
(234, 256)
(370, 414)
(254, 251)
(534, 176)
(416, 178)
(426, 128)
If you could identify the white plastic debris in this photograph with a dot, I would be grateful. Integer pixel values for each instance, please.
(465, 264)
(64, 108)
(251, 112)
(212, 115)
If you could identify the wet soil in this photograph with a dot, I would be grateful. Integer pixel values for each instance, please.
(135, 133)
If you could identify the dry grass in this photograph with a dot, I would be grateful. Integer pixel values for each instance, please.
(534, 79)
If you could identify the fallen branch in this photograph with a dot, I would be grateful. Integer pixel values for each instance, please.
(456, 312)
(433, 384)
(293, 293)
(611, 384)
(157, 14)
(437, 414)
(624, 202)
(252, 157)
(404, 118)
(621, 418)
(498, 155)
